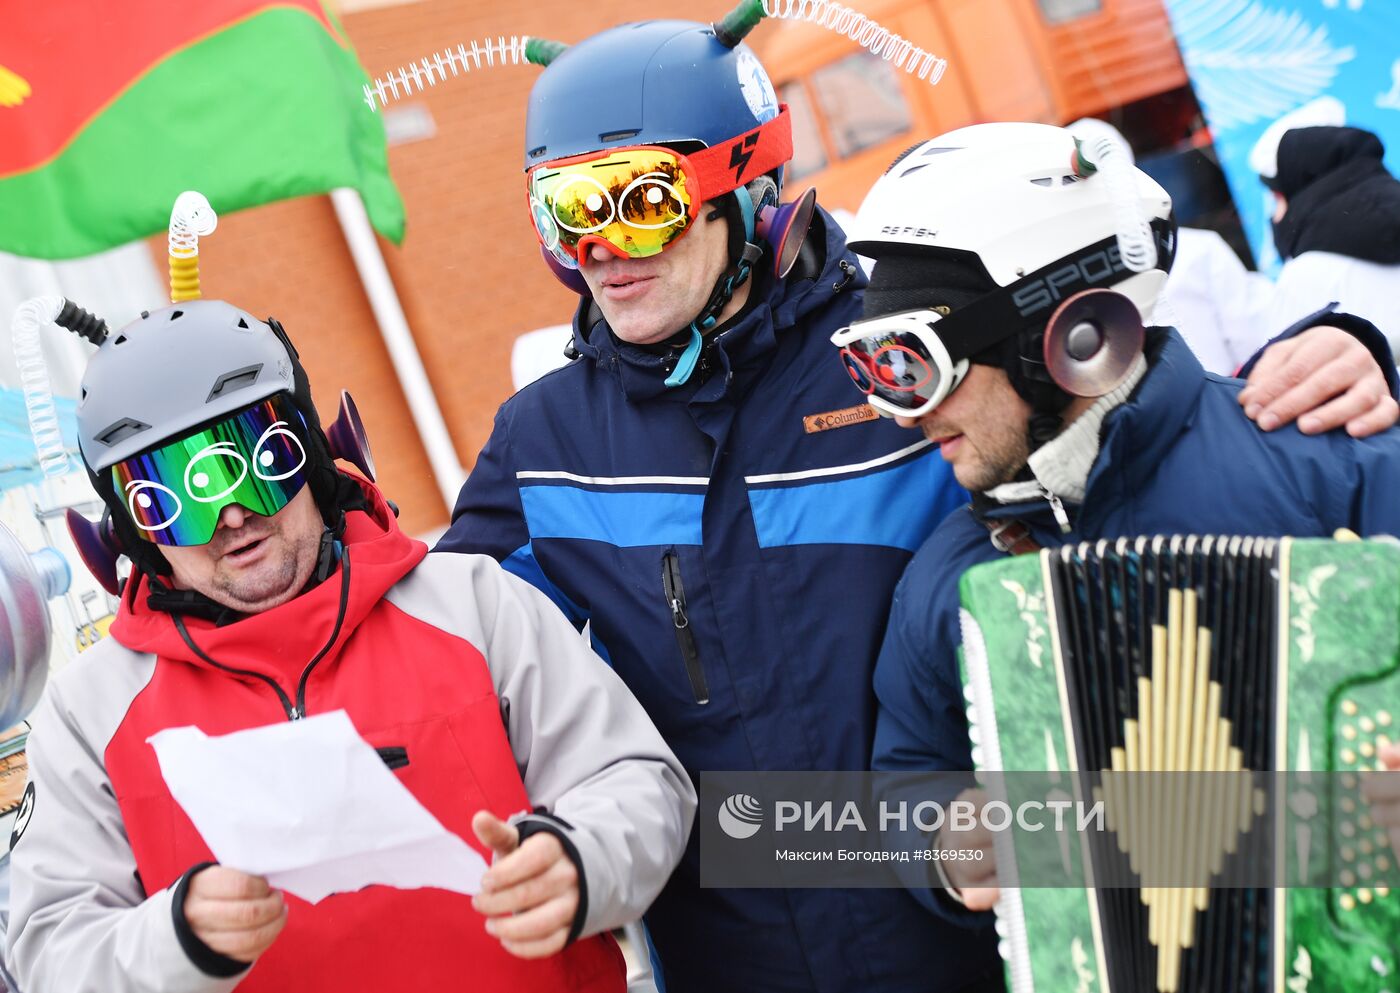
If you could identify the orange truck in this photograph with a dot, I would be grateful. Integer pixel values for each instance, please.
(1008, 60)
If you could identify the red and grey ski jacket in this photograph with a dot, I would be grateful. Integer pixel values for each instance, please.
(482, 692)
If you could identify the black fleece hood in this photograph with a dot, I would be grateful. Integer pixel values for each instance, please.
(1340, 197)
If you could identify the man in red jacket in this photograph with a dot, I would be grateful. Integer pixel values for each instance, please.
(268, 585)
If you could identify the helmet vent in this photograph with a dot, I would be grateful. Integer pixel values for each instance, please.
(175, 315)
(535, 153)
(121, 430)
(1044, 181)
(901, 157)
(243, 324)
(121, 339)
(619, 135)
(235, 380)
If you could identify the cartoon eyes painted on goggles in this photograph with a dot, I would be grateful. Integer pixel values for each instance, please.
(222, 465)
(265, 458)
(856, 370)
(577, 210)
(147, 508)
(582, 205)
(214, 473)
(211, 466)
(654, 195)
(898, 367)
(891, 367)
(544, 225)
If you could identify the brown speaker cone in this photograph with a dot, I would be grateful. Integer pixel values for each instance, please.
(1091, 342)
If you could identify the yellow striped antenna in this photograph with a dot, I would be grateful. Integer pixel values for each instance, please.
(191, 217)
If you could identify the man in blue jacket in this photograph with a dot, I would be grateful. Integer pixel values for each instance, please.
(1086, 432)
(703, 487)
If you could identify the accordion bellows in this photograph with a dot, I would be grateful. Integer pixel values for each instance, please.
(1195, 654)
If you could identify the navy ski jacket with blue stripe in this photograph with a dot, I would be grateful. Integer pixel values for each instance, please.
(736, 564)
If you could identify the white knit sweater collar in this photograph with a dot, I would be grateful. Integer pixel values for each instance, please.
(1061, 466)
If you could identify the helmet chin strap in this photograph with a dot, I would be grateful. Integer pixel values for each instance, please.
(723, 292)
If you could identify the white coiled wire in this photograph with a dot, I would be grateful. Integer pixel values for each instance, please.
(190, 219)
(1115, 163)
(863, 31)
(30, 317)
(427, 71)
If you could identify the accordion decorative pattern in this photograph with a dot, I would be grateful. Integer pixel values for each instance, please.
(1226, 656)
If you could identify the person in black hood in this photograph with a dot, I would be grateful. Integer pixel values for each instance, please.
(1335, 195)
(1337, 225)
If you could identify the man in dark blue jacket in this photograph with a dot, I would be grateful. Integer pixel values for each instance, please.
(702, 486)
(1086, 431)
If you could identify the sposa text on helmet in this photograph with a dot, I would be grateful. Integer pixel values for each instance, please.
(1075, 275)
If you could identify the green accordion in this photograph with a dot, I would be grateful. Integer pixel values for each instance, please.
(1097, 663)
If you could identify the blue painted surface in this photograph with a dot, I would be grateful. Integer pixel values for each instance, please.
(1252, 61)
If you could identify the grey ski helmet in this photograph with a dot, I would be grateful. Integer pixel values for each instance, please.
(173, 369)
(186, 365)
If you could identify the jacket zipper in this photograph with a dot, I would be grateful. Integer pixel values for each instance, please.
(294, 711)
(1057, 508)
(287, 706)
(685, 638)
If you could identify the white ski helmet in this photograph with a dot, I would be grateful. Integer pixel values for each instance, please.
(1020, 197)
(985, 233)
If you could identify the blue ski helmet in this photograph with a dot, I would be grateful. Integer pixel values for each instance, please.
(648, 83)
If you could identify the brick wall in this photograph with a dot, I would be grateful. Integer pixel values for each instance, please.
(469, 272)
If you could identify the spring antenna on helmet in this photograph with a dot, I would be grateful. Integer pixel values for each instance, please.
(834, 17)
(1114, 160)
(432, 69)
(190, 218)
(30, 317)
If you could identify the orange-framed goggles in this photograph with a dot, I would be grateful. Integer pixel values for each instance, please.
(635, 201)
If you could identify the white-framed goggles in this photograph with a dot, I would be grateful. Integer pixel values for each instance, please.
(899, 362)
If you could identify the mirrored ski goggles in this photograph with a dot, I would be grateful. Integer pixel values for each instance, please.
(899, 362)
(636, 201)
(174, 494)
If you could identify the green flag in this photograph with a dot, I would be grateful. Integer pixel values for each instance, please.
(109, 111)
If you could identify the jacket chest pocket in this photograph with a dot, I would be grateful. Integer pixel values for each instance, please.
(455, 764)
(673, 589)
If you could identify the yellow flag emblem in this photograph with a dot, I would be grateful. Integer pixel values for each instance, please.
(13, 88)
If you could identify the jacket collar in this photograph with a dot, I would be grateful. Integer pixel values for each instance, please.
(1136, 436)
(641, 374)
(281, 641)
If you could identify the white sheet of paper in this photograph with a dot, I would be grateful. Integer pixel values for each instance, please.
(311, 806)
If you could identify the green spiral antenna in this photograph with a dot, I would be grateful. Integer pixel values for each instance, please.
(739, 22)
(542, 51)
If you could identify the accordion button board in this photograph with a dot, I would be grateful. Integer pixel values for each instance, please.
(1220, 698)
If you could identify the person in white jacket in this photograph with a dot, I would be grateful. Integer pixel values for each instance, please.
(1337, 225)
